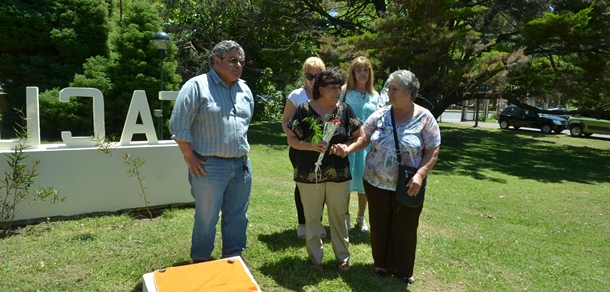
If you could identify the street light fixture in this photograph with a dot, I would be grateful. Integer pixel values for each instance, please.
(161, 41)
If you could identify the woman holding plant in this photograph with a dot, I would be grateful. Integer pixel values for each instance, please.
(311, 67)
(324, 131)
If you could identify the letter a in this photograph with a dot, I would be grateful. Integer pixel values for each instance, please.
(139, 105)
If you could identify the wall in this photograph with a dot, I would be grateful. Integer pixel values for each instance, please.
(93, 181)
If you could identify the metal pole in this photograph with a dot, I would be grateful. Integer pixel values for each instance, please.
(160, 122)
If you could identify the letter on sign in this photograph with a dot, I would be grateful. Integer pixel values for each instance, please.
(99, 131)
(139, 105)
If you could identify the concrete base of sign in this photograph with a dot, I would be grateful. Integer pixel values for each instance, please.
(92, 181)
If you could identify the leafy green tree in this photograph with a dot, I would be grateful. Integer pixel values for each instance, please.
(463, 50)
(273, 34)
(570, 49)
(133, 64)
(43, 43)
(58, 116)
(460, 49)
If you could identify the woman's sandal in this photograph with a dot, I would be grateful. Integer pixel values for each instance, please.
(301, 231)
(409, 280)
(344, 266)
(323, 234)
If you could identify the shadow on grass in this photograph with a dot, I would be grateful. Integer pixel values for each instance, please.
(136, 213)
(471, 152)
(359, 237)
(267, 133)
(139, 287)
(292, 273)
(286, 239)
(279, 241)
(298, 275)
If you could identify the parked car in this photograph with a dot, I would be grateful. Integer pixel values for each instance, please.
(589, 123)
(516, 117)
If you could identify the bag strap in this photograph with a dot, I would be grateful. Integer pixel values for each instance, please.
(409, 168)
(395, 136)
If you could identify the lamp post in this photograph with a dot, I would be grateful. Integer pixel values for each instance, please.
(161, 42)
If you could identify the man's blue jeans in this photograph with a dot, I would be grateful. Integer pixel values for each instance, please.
(225, 188)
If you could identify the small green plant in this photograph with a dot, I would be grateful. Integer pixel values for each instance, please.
(18, 184)
(133, 170)
(317, 130)
(269, 102)
(134, 165)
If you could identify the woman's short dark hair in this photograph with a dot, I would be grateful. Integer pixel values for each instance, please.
(326, 77)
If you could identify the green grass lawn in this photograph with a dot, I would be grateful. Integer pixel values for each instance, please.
(504, 211)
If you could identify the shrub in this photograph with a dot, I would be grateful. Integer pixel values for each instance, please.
(17, 184)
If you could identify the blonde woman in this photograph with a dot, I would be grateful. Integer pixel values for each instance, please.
(359, 93)
(311, 68)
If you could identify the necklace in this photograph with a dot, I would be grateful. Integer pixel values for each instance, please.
(362, 93)
(324, 112)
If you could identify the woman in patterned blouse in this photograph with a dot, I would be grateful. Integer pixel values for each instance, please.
(393, 227)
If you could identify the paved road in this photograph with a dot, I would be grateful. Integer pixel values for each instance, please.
(455, 118)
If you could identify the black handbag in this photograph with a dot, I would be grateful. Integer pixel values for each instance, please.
(405, 174)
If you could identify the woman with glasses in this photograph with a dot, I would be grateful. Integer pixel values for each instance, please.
(311, 68)
(359, 93)
(325, 181)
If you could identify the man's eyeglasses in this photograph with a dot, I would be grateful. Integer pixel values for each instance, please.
(234, 61)
(310, 76)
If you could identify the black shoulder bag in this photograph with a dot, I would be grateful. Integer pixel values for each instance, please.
(405, 174)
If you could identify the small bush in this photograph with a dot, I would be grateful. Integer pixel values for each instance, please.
(269, 108)
(17, 184)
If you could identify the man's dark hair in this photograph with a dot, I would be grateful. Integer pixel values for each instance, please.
(222, 48)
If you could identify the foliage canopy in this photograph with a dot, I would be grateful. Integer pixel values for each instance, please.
(554, 50)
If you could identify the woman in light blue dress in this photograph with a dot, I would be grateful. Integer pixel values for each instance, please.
(359, 93)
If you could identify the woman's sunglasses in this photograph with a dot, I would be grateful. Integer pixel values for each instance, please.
(310, 76)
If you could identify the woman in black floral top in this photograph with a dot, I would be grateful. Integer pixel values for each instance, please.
(330, 184)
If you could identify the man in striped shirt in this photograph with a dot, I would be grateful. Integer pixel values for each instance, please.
(210, 123)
